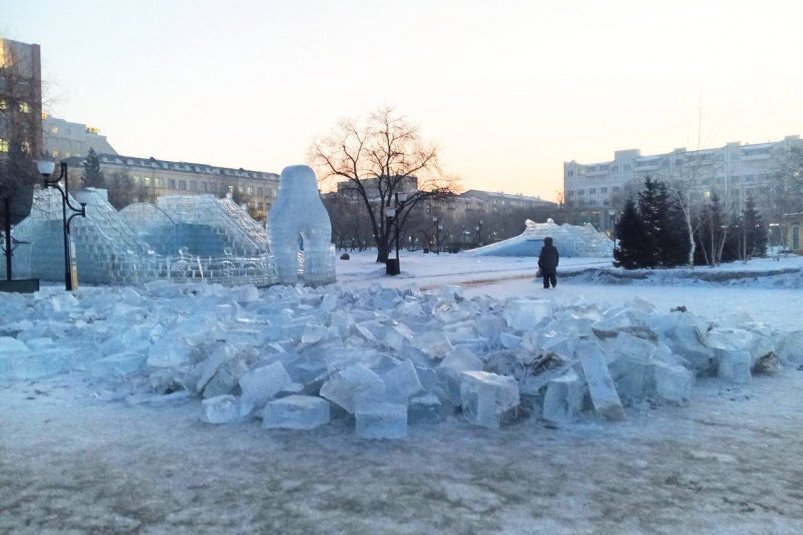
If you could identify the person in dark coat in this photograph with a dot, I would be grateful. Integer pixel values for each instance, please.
(548, 263)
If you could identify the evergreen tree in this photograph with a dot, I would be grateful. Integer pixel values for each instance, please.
(92, 176)
(754, 230)
(630, 233)
(651, 207)
(670, 238)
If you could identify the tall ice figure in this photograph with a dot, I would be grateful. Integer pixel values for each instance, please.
(299, 225)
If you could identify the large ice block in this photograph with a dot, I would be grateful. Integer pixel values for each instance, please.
(526, 314)
(563, 400)
(735, 365)
(378, 419)
(600, 384)
(261, 384)
(488, 397)
(673, 383)
(401, 382)
(296, 412)
(220, 409)
(345, 386)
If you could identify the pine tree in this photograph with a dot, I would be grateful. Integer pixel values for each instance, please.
(651, 208)
(754, 230)
(630, 233)
(671, 239)
(92, 175)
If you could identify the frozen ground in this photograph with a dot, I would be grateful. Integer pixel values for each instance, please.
(728, 462)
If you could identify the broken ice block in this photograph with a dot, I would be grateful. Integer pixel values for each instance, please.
(600, 384)
(735, 365)
(260, 385)
(790, 349)
(488, 397)
(525, 314)
(381, 420)
(313, 333)
(168, 351)
(296, 412)
(119, 364)
(563, 400)
(434, 343)
(673, 383)
(401, 382)
(343, 387)
(425, 408)
(220, 409)
(740, 339)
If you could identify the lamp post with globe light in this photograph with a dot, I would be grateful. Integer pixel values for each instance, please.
(46, 169)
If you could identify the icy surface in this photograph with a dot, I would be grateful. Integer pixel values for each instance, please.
(296, 412)
(173, 474)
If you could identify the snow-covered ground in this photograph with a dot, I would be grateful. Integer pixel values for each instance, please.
(726, 462)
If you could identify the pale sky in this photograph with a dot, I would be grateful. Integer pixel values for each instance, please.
(508, 90)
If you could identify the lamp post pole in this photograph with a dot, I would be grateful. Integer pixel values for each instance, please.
(46, 168)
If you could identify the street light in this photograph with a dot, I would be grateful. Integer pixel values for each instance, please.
(46, 168)
(479, 233)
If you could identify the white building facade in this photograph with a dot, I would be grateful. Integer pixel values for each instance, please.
(734, 172)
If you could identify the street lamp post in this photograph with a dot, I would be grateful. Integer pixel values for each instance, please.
(479, 233)
(46, 168)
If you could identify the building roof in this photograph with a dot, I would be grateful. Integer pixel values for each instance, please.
(189, 167)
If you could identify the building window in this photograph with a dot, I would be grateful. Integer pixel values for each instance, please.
(146, 180)
(3, 145)
(160, 182)
(182, 185)
(3, 104)
(136, 179)
(615, 189)
(250, 190)
(24, 107)
(193, 186)
(171, 183)
(570, 173)
(592, 190)
(603, 190)
(261, 191)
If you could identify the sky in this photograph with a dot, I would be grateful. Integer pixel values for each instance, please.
(508, 90)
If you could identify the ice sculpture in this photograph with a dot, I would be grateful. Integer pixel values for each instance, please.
(571, 240)
(298, 225)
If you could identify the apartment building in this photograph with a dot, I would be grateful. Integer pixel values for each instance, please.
(163, 177)
(734, 172)
(20, 96)
(65, 139)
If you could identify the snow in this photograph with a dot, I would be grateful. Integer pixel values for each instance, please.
(79, 453)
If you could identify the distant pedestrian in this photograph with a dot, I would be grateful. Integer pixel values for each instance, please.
(548, 263)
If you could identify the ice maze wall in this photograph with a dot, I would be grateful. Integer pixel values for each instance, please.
(180, 238)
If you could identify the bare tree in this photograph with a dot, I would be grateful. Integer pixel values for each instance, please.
(20, 135)
(376, 160)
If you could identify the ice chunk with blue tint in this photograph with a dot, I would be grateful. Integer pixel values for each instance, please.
(563, 399)
(526, 314)
(261, 384)
(296, 412)
(220, 409)
(379, 419)
(345, 386)
(488, 398)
